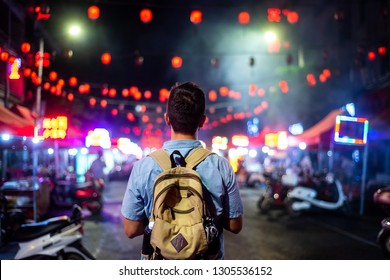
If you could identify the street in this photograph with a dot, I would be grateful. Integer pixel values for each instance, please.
(274, 236)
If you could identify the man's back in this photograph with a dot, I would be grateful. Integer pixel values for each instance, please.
(222, 196)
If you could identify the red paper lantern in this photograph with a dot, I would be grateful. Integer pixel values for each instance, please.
(146, 15)
(11, 59)
(130, 117)
(46, 86)
(26, 47)
(244, 18)
(112, 92)
(177, 62)
(73, 81)
(92, 101)
(114, 112)
(53, 76)
(223, 91)
(93, 12)
(196, 17)
(371, 55)
(70, 97)
(212, 95)
(106, 58)
(125, 92)
(4, 56)
(103, 103)
(27, 72)
(148, 94)
(382, 51)
(292, 17)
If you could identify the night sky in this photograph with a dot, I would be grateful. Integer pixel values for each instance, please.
(240, 50)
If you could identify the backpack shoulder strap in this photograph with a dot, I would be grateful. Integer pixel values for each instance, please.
(196, 156)
(162, 158)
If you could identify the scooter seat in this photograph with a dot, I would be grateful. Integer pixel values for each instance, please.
(31, 231)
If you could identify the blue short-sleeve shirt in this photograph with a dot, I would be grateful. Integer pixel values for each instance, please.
(215, 171)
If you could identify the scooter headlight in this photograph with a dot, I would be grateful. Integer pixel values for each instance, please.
(385, 223)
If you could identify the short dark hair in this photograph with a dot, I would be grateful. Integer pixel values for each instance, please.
(186, 107)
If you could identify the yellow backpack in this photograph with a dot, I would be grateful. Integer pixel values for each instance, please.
(179, 212)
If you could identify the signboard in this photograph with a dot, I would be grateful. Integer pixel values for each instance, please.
(351, 130)
(54, 128)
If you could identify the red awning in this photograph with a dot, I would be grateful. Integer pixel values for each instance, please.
(312, 135)
(15, 124)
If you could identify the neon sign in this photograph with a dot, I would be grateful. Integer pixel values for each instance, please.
(99, 137)
(220, 143)
(54, 128)
(351, 130)
(14, 69)
(277, 140)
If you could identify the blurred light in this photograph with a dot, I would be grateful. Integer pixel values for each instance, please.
(72, 152)
(50, 151)
(26, 47)
(5, 137)
(212, 95)
(146, 15)
(4, 56)
(274, 15)
(74, 30)
(106, 58)
(302, 146)
(99, 137)
(265, 149)
(296, 129)
(350, 107)
(196, 17)
(244, 18)
(53, 76)
(270, 36)
(292, 17)
(382, 51)
(371, 55)
(252, 153)
(177, 62)
(93, 12)
(240, 140)
(73, 81)
(282, 140)
(84, 151)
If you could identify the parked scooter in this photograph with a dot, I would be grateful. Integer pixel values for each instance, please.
(384, 237)
(382, 199)
(274, 194)
(67, 193)
(323, 192)
(55, 238)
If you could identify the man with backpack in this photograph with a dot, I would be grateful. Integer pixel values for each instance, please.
(171, 208)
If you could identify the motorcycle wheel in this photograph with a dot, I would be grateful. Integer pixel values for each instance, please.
(384, 242)
(290, 210)
(73, 256)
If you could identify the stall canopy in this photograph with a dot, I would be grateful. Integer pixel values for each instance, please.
(380, 126)
(17, 121)
(314, 135)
